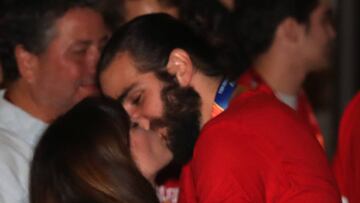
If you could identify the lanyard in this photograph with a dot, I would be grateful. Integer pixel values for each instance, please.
(223, 95)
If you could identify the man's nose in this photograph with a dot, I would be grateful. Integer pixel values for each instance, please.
(136, 117)
(141, 122)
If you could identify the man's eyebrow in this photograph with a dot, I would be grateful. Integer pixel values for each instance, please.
(125, 93)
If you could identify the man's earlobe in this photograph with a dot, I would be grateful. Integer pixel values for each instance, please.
(26, 62)
(181, 66)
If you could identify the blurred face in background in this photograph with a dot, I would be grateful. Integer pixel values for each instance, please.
(229, 4)
(64, 73)
(134, 8)
(319, 37)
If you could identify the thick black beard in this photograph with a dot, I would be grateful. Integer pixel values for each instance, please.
(181, 118)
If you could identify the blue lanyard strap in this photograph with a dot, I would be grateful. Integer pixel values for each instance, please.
(224, 92)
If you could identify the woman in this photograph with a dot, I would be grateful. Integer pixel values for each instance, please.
(87, 156)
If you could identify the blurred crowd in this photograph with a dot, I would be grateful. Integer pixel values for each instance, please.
(111, 101)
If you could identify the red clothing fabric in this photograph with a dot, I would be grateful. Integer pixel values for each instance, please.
(168, 192)
(251, 80)
(346, 163)
(257, 151)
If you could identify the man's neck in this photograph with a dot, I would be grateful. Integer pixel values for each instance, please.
(282, 75)
(207, 88)
(20, 95)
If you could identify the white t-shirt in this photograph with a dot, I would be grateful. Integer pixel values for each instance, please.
(290, 100)
(19, 133)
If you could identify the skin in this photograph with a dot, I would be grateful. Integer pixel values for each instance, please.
(229, 4)
(320, 37)
(55, 80)
(138, 92)
(150, 151)
(136, 8)
(297, 50)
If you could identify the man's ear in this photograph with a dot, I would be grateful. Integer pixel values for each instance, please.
(181, 66)
(27, 63)
(289, 31)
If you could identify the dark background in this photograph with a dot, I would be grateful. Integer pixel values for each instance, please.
(331, 90)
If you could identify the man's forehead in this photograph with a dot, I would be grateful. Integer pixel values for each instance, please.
(83, 23)
(119, 76)
(124, 63)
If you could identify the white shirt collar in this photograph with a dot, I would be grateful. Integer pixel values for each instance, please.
(16, 120)
(290, 100)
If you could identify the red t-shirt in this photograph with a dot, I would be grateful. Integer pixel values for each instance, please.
(346, 163)
(257, 151)
(168, 192)
(251, 80)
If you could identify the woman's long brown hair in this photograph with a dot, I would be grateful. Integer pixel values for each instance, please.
(84, 156)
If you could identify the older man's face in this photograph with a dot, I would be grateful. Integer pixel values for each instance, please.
(65, 71)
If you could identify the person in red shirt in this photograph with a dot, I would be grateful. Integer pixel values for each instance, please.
(256, 151)
(285, 41)
(346, 163)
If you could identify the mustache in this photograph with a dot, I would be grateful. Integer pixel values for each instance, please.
(158, 123)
